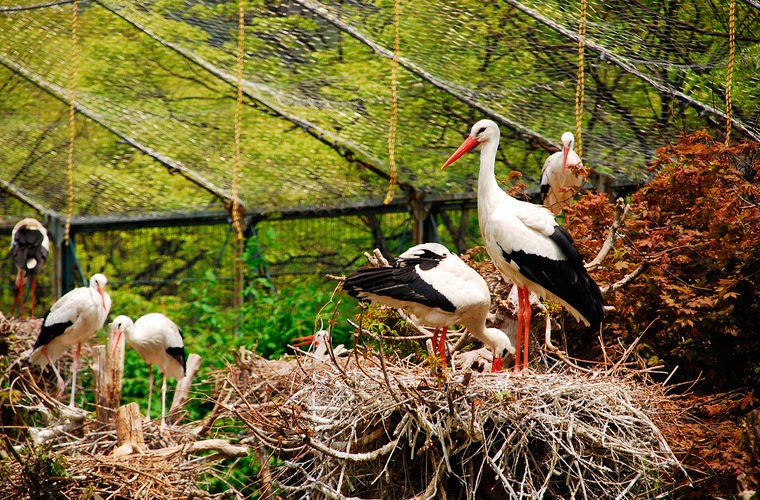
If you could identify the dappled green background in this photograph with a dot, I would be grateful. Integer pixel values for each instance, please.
(155, 97)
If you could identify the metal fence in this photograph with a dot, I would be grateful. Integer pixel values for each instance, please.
(155, 257)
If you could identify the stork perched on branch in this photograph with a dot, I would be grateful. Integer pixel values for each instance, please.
(72, 320)
(439, 289)
(528, 246)
(29, 250)
(560, 177)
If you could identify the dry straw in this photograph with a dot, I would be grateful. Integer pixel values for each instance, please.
(355, 429)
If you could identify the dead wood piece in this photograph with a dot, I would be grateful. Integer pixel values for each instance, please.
(129, 430)
(108, 374)
(182, 392)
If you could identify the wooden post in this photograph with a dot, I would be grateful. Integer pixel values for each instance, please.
(182, 392)
(129, 431)
(109, 373)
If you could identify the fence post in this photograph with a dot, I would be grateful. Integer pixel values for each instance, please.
(425, 227)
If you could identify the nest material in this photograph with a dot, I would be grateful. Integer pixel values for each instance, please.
(394, 430)
(48, 450)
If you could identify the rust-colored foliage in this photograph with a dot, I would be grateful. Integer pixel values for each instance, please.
(697, 223)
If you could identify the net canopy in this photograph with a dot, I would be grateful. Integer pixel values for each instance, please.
(155, 89)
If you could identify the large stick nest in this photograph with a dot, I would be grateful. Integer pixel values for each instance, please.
(362, 428)
(48, 450)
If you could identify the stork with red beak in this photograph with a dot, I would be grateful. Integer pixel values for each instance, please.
(74, 319)
(318, 345)
(158, 341)
(528, 246)
(559, 176)
(439, 289)
(29, 250)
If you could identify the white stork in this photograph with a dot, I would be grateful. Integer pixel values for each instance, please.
(318, 342)
(439, 289)
(528, 246)
(29, 250)
(74, 318)
(158, 341)
(559, 176)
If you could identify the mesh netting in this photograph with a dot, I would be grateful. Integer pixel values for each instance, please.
(156, 94)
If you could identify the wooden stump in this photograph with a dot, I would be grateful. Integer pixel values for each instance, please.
(108, 374)
(182, 392)
(129, 431)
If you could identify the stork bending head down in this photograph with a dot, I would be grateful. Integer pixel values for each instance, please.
(435, 286)
(159, 342)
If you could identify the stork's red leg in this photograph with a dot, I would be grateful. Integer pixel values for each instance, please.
(435, 340)
(34, 287)
(74, 369)
(19, 293)
(442, 345)
(150, 387)
(518, 347)
(526, 325)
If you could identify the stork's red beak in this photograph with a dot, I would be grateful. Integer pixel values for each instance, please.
(302, 341)
(565, 152)
(116, 338)
(102, 297)
(467, 145)
(497, 365)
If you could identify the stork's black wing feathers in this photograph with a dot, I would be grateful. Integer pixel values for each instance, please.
(49, 332)
(178, 353)
(544, 191)
(28, 243)
(400, 281)
(567, 278)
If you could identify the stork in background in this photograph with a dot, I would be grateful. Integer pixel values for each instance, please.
(528, 246)
(29, 250)
(158, 341)
(72, 320)
(439, 289)
(559, 176)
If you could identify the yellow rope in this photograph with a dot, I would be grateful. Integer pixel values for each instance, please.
(394, 105)
(237, 167)
(579, 88)
(72, 120)
(730, 68)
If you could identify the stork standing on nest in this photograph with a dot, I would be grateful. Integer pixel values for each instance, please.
(439, 289)
(158, 341)
(528, 246)
(29, 250)
(559, 176)
(74, 319)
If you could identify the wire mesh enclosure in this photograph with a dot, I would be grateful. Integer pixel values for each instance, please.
(127, 108)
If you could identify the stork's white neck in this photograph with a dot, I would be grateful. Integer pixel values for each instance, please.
(489, 192)
(480, 332)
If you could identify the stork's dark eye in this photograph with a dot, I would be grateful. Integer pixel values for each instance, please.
(481, 130)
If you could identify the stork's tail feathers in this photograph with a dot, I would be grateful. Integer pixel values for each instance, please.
(589, 302)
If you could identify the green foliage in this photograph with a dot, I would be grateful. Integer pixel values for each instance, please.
(43, 472)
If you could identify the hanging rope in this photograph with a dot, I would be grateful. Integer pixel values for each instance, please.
(237, 167)
(580, 86)
(72, 121)
(394, 105)
(730, 68)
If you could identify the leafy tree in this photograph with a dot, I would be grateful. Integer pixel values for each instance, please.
(696, 225)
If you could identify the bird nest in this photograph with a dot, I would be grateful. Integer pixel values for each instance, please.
(375, 427)
(49, 450)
